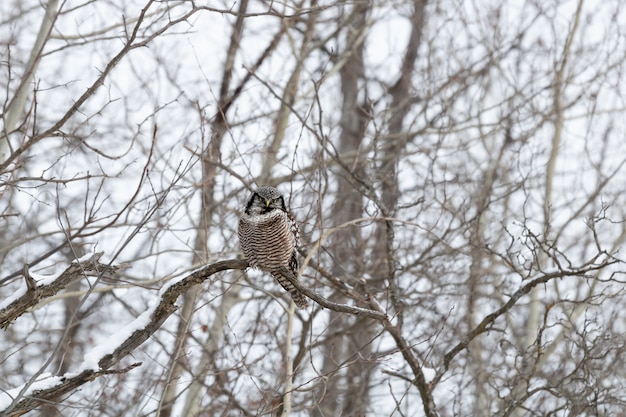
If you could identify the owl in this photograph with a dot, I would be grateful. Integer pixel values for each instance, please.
(269, 236)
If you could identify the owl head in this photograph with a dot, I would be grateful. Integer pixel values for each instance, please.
(264, 200)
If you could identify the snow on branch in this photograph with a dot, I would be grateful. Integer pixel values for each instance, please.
(97, 362)
(40, 287)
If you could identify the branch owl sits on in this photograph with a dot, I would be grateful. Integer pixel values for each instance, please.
(269, 236)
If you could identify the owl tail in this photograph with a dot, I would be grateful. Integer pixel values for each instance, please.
(298, 298)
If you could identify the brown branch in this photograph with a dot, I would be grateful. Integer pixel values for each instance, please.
(165, 308)
(377, 313)
(41, 397)
(341, 308)
(424, 388)
(485, 324)
(132, 43)
(35, 294)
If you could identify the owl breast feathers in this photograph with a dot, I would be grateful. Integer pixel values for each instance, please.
(269, 236)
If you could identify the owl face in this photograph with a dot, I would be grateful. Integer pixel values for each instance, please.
(265, 200)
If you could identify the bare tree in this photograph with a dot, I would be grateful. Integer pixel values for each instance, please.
(456, 169)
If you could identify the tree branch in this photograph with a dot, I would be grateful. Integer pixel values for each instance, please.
(138, 331)
(160, 312)
(33, 294)
(341, 308)
(485, 324)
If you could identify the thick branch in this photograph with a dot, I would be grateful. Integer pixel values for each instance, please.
(34, 294)
(164, 308)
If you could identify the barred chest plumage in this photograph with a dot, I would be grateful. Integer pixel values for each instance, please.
(268, 240)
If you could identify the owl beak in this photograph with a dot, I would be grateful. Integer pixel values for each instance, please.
(267, 203)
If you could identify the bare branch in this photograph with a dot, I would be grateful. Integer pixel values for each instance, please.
(34, 295)
(160, 312)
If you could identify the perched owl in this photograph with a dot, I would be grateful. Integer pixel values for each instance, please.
(269, 236)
